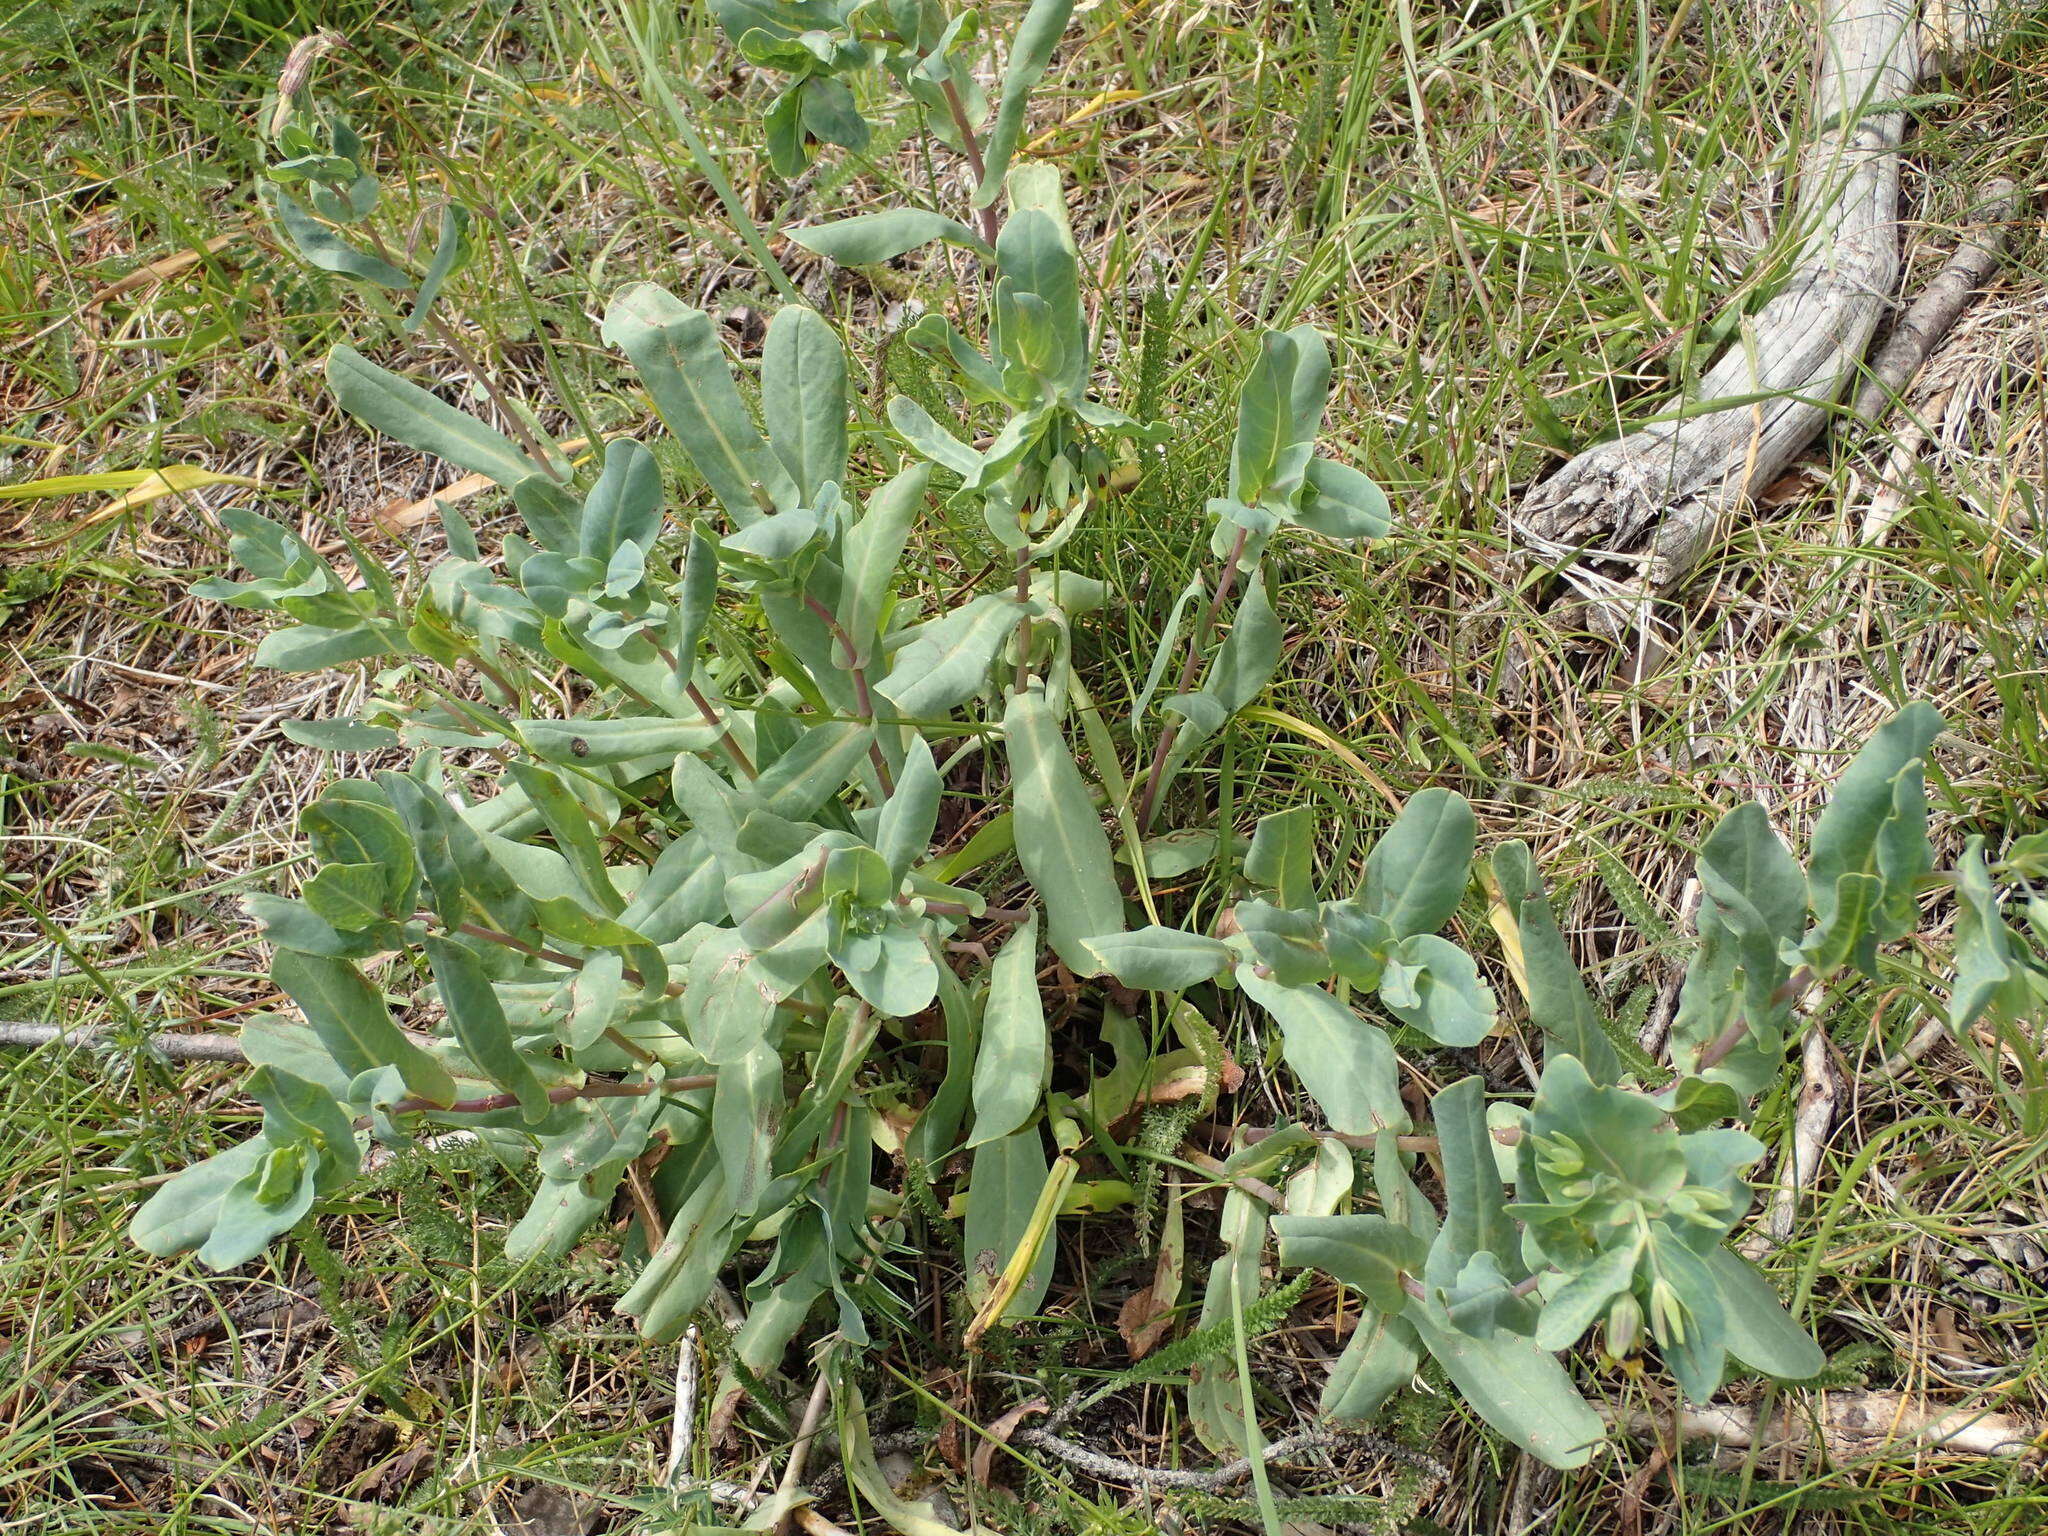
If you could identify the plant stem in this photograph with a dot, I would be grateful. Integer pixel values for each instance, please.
(597, 1088)
(971, 146)
(863, 701)
(1010, 915)
(726, 739)
(527, 439)
(1024, 623)
(1149, 801)
(554, 956)
(1723, 1045)
(712, 718)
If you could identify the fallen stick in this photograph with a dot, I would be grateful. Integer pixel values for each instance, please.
(1820, 1093)
(1931, 318)
(175, 1047)
(1942, 302)
(1849, 1424)
(1648, 504)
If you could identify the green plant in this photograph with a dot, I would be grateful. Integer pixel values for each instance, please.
(663, 896)
(820, 45)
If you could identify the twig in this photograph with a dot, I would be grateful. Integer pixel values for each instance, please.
(1116, 1469)
(684, 1433)
(1647, 505)
(1657, 1026)
(806, 1432)
(1943, 300)
(1819, 1093)
(212, 1047)
(1925, 1038)
(1258, 1189)
(1924, 325)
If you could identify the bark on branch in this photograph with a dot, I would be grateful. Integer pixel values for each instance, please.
(1647, 505)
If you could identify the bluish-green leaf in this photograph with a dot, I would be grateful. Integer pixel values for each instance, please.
(946, 661)
(1517, 1387)
(1011, 1067)
(323, 248)
(1988, 964)
(561, 1212)
(1282, 855)
(871, 237)
(478, 1020)
(914, 424)
(1432, 985)
(677, 351)
(1250, 653)
(1031, 51)
(296, 1108)
(903, 830)
(797, 783)
(568, 821)
(404, 412)
(1475, 1219)
(1346, 1064)
(1060, 841)
(1580, 1302)
(311, 648)
(1875, 825)
(1378, 1360)
(746, 1110)
(1369, 1253)
(340, 735)
(1558, 1001)
(873, 550)
(696, 597)
(625, 505)
(349, 1016)
(1343, 504)
(727, 1011)
(1416, 874)
(1761, 1333)
(451, 249)
(597, 741)
(1004, 1182)
(1159, 959)
(263, 1204)
(803, 398)
(181, 1214)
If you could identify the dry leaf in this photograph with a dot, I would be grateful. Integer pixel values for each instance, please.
(999, 1433)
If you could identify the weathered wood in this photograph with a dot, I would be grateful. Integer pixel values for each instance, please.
(174, 1047)
(1848, 1425)
(1646, 506)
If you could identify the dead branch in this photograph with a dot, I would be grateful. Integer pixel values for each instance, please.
(1850, 1425)
(175, 1047)
(1820, 1093)
(1647, 505)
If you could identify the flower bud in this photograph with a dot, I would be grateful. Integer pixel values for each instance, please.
(1667, 1313)
(1624, 1325)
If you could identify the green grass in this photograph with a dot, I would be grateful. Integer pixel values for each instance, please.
(1524, 225)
